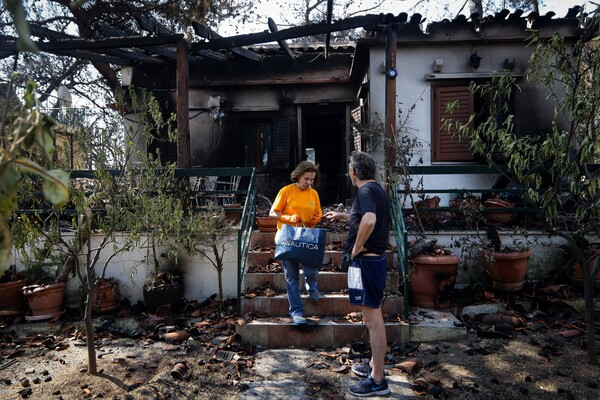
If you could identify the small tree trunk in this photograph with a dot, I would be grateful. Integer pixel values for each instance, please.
(89, 332)
(219, 267)
(589, 280)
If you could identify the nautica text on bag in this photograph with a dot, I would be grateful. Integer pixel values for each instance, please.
(310, 246)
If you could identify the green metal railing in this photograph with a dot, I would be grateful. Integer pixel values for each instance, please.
(247, 210)
(246, 190)
(401, 235)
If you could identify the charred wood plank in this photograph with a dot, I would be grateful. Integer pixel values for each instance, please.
(328, 35)
(207, 33)
(296, 32)
(273, 28)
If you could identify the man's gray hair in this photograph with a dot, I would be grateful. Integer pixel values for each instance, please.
(363, 165)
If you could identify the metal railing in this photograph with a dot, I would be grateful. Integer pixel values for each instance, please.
(401, 236)
(247, 210)
(246, 190)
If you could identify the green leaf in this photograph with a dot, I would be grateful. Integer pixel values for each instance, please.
(18, 14)
(5, 246)
(56, 182)
(56, 187)
(9, 183)
(44, 135)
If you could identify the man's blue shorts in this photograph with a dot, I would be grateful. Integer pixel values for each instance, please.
(366, 280)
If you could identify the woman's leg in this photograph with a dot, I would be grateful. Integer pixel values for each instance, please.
(292, 280)
(310, 279)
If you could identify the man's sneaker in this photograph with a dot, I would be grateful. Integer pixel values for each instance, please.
(314, 296)
(299, 319)
(361, 369)
(368, 387)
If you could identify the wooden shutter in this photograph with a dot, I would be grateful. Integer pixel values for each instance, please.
(281, 142)
(446, 146)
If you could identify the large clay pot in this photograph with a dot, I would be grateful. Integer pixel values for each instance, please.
(11, 297)
(431, 275)
(106, 296)
(44, 301)
(266, 224)
(499, 216)
(575, 272)
(507, 269)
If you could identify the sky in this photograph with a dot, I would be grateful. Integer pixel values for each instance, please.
(434, 11)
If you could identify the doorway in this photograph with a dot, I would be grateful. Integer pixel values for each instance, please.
(324, 130)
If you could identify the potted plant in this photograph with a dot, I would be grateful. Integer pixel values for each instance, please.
(507, 267)
(432, 273)
(575, 271)
(11, 296)
(499, 216)
(44, 294)
(264, 222)
(106, 297)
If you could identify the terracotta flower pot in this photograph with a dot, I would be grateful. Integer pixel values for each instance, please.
(508, 269)
(266, 224)
(498, 216)
(105, 297)
(431, 276)
(575, 271)
(11, 297)
(44, 301)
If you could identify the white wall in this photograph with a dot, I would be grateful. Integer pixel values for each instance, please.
(413, 89)
(198, 274)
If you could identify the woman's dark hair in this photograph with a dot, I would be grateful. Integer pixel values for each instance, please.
(363, 165)
(305, 166)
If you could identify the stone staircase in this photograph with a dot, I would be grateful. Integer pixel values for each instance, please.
(332, 321)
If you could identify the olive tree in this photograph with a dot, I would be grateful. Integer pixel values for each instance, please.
(558, 168)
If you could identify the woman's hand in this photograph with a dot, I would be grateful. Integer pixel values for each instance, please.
(294, 219)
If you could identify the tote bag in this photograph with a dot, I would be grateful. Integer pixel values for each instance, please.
(300, 244)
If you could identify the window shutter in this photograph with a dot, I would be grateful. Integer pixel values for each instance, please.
(446, 145)
(281, 142)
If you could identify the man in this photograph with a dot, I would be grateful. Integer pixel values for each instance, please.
(369, 225)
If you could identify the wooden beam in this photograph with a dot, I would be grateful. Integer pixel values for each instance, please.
(296, 32)
(390, 99)
(273, 28)
(183, 109)
(207, 33)
(328, 35)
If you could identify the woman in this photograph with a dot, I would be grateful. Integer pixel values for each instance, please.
(298, 204)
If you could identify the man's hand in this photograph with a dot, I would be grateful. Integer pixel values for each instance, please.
(336, 215)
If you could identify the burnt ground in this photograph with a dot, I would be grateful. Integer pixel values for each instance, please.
(533, 347)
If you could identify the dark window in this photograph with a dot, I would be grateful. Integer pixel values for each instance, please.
(266, 143)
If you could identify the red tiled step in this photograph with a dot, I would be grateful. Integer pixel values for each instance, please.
(319, 332)
(326, 281)
(329, 305)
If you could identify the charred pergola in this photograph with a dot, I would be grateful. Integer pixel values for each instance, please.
(161, 46)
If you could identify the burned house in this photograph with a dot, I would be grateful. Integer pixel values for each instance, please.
(270, 106)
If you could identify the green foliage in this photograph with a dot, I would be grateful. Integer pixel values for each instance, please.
(29, 129)
(555, 166)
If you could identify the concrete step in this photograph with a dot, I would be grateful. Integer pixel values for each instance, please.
(320, 332)
(279, 332)
(326, 281)
(329, 305)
